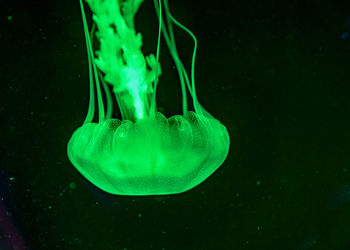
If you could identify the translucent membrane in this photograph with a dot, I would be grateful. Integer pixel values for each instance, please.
(152, 156)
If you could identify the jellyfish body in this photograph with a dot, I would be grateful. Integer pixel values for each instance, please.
(144, 153)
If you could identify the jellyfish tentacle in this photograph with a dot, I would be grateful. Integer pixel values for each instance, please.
(153, 102)
(92, 71)
(193, 88)
(169, 37)
(109, 110)
(91, 110)
(170, 42)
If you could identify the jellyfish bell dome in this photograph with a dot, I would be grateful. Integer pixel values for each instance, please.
(151, 156)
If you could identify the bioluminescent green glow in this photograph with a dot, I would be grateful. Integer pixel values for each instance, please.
(144, 153)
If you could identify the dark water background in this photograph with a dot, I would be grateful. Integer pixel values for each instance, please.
(276, 73)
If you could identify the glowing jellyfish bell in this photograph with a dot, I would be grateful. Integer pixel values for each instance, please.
(145, 153)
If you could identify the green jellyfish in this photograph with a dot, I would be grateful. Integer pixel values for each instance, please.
(144, 153)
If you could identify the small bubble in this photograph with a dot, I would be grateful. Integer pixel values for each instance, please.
(344, 35)
(72, 185)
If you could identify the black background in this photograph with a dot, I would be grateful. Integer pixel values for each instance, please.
(276, 73)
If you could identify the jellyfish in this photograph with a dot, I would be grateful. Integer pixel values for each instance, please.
(144, 152)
